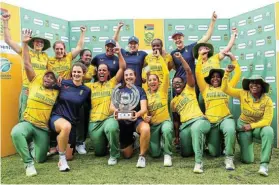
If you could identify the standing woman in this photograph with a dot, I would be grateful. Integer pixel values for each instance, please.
(193, 126)
(82, 128)
(158, 113)
(65, 115)
(255, 118)
(134, 58)
(39, 59)
(136, 124)
(62, 62)
(41, 99)
(217, 108)
(103, 128)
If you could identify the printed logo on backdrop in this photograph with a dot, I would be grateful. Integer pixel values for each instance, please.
(169, 27)
(269, 66)
(249, 20)
(250, 44)
(269, 27)
(191, 27)
(106, 28)
(260, 29)
(268, 40)
(148, 34)
(94, 38)
(127, 27)
(38, 22)
(268, 15)
(46, 23)
(259, 55)
(241, 34)
(5, 67)
(226, 37)
(26, 18)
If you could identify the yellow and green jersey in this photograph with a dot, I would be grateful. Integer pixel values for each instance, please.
(40, 103)
(155, 66)
(100, 99)
(158, 101)
(89, 74)
(39, 62)
(216, 101)
(186, 104)
(212, 63)
(257, 113)
(61, 66)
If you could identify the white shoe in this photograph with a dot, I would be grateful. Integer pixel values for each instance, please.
(81, 149)
(263, 170)
(30, 170)
(63, 165)
(229, 163)
(141, 162)
(167, 160)
(112, 161)
(198, 168)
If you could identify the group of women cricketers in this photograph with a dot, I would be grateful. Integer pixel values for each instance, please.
(71, 100)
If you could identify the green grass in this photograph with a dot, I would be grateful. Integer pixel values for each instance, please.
(88, 169)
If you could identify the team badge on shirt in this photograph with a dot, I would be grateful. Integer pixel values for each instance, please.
(80, 92)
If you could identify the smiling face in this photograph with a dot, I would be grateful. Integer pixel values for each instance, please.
(129, 77)
(215, 80)
(179, 41)
(77, 73)
(153, 82)
(255, 87)
(133, 46)
(109, 49)
(178, 85)
(59, 50)
(103, 73)
(38, 44)
(86, 57)
(49, 80)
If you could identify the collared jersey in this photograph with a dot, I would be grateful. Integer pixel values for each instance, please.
(101, 99)
(135, 61)
(111, 61)
(212, 63)
(186, 105)
(186, 52)
(40, 103)
(216, 101)
(158, 101)
(70, 100)
(256, 113)
(61, 66)
(39, 62)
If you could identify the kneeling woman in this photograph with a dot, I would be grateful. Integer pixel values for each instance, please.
(127, 127)
(217, 109)
(193, 124)
(158, 114)
(41, 99)
(65, 114)
(103, 128)
(255, 119)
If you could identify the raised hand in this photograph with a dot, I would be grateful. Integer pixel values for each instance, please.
(116, 50)
(156, 53)
(83, 29)
(230, 68)
(234, 31)
(214, 16)
(120, 24)
(147, 119)
(204, 51)
(177, 55)
(26, 35)
(5, 16)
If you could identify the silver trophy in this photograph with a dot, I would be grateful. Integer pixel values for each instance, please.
(125, 102)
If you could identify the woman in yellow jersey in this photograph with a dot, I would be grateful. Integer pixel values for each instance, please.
(39, 59)
(41, 99)
(255, 119)
(153, 63)
(136, 124)
(211, 60)
(193, 124)
(158, 113)
(217, 108)
(82, 128)
(62, 62)
(103, 128)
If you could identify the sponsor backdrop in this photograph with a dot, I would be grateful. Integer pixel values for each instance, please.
(255, 47)
(98, 32)
(10, 74)
(277, 66)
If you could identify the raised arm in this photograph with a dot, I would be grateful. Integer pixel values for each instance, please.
(226, 88)
(189, 75)
(80, 43)
(229, 46)
(122, 64)
(199, 76)
(237, 71)
(116, 34)
(26, 56)
(7, 36)
(209, 32)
